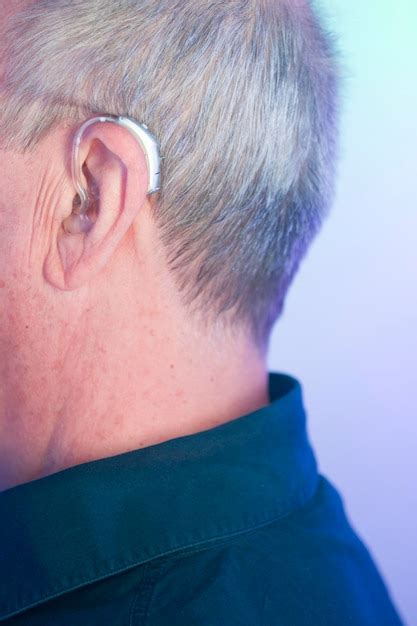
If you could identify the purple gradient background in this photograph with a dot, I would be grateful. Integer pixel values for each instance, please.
(349, 329)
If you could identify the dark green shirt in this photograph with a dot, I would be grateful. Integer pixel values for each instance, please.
(231, 526)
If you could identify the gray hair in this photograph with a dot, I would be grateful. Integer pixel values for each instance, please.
(242, 96)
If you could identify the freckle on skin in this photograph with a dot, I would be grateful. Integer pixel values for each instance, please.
(2, 284)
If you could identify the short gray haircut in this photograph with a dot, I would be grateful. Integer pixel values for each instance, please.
(242, 96)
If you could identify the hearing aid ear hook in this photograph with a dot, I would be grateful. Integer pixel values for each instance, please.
(79, 220)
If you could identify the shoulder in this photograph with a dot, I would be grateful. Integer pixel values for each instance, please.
(308, 568)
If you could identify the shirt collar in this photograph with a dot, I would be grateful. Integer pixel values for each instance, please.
(99, 518)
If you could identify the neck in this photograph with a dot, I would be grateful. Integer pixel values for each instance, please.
(133, 385)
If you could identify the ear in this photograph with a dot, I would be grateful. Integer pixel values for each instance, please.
(116, 174)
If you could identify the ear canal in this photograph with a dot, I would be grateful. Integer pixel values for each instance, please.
(79, 222)
(75, 224)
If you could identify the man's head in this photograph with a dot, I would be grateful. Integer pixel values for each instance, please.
(177, 291)
(241, 97)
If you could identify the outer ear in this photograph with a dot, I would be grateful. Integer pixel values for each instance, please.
(115, 166)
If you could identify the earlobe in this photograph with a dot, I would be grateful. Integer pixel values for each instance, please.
(60, 267)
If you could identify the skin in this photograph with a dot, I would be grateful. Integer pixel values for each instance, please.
(97, 354)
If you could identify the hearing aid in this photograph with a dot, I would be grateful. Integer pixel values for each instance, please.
(79, 221)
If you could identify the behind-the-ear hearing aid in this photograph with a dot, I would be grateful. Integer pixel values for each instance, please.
(79, 221)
